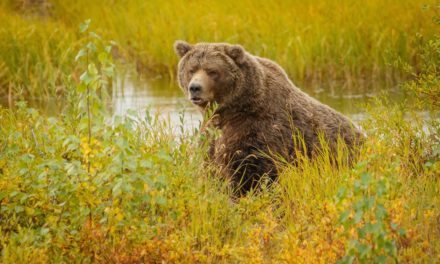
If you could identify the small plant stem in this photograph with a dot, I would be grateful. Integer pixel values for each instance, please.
(89, 121)
(89, 126)
(10, 95)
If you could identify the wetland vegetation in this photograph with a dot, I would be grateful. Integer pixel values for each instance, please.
(81, 184)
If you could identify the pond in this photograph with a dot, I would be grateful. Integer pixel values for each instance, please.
(163, 97)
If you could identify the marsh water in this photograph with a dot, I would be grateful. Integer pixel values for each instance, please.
(163, 97)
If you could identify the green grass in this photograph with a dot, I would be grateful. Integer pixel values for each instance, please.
(35, 56)
(148, 197)
(320, 43)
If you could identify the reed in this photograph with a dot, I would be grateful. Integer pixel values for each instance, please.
(342, 45)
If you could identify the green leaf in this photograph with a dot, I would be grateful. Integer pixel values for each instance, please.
(428, 164)
(160, 200)
(381, 259)
(358, 216)
(362, 232)
(381, 188)
(344, 216)
(82, 87)
(381, 212)
(146, 198)
(364, 250)
(80, 54)
(361, 164)
(359, 204)
(164, 156)
(27, 158)
(23, 171)
(346, 260)
(84, 26)
(146, 164)
(402, 232)
(116, 191)
(19, 209)
(342, 193)
(13, 194)
(162, 179)
(86, 78)
(91, 46)
(390, 248)
(376, 228)
(368, 228)
(369, 202)
(365, 178)
(102, 56)
(357, 187)
(29, 211)
(84, 211)
(94, 35)
(91, 68)
(108, 71)
(117, 120)
(44, 231)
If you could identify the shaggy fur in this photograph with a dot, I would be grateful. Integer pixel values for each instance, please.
(259, 111)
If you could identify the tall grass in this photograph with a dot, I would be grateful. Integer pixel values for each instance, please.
(148, 197)
(35, 56)
(74, 188)
(342, 44)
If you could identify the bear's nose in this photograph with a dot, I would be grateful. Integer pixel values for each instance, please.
(194, 88)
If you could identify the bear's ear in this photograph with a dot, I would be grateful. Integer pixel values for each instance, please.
(236, 52)
(182, 47)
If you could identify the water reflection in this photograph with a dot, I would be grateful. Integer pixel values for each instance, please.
(162, 96)
(157, 96)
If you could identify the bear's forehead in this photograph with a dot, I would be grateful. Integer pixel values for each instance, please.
(205, 54)
(209, 47)
(202, 50)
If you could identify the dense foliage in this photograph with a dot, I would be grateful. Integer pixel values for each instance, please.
(83, 187)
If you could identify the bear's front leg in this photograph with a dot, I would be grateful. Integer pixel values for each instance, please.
(248, 168)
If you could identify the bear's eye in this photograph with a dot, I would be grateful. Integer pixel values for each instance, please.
(192, 71)
(212, 73)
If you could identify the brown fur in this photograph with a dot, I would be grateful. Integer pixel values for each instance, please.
(259, 111)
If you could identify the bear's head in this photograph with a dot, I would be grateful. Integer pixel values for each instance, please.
(210, 72)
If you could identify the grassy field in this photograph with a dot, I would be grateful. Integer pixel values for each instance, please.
(137, 192)
(74, 188)
(321, 43)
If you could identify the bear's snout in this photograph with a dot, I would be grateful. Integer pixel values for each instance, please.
(195, 88)
(195, 93)
(200, 88)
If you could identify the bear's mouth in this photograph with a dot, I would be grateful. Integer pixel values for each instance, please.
(197, 101)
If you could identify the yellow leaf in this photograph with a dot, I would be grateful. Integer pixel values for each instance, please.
(29, 210)
(119, 216)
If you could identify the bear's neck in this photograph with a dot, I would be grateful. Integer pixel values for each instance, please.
(249, 101)
(250, 98)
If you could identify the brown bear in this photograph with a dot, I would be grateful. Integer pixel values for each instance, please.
(261, 114)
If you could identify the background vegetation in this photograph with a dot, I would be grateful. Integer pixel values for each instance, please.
(74, 188)
(339, 45)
